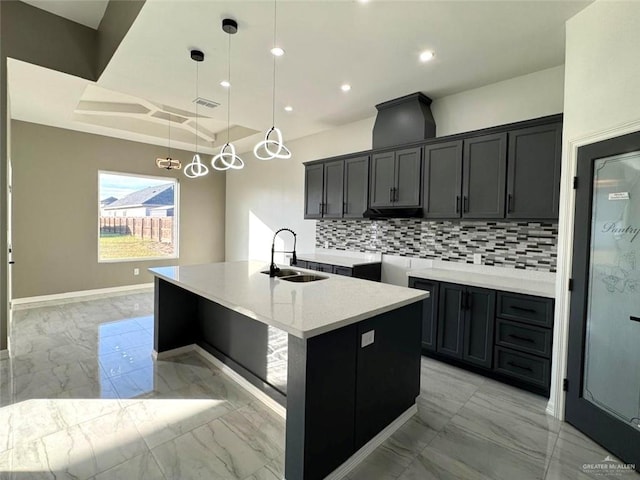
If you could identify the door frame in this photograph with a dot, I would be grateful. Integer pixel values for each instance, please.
(556, 403)
(586, 417)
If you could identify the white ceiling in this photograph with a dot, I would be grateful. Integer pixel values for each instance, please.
(374, 46)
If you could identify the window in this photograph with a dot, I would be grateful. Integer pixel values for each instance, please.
(138, 217)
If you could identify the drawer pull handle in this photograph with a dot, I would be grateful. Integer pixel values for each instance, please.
(522, 339)
(522, 309)
(635, 319)
(528, 369)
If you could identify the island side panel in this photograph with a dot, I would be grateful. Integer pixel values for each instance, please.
(388, 370)
(174, 316)
(254, 350)
(320, 403)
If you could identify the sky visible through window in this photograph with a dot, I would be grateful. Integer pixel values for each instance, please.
(118, 186)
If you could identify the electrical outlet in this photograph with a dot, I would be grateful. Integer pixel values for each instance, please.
(326, 244)
(136, 271)
(477, 259)
(367, 338)
(136, 306)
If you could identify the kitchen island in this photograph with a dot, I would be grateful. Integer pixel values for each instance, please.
(341, 354)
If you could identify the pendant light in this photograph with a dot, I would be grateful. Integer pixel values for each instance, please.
(196, 168)
(169, 163)
(227, 157)
(270, 148)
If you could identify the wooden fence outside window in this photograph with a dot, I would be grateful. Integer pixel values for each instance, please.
(158, 229)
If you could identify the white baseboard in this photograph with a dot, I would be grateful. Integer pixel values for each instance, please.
(4, 354)
(79, 294)
(551, 409)
(172, 353)
(243, 382)
(371, 445)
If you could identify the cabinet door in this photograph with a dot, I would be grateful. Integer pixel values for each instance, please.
(356, 183)
(344, 271)
(478, 326)
(382, 179)
(333, 189)
(533, 172)
(484, 176)
(450, 320)
(313, 176)
(442, 180)
(323, 267)
(408, 165)
(429, 312)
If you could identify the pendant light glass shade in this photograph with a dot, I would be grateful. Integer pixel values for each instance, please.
(196, 168)
(227, 158)
(270, 147)
(169, 163)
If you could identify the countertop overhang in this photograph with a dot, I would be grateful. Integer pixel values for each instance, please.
(301, 309)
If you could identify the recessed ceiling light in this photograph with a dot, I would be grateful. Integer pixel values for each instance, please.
(426, 55)
(225, 84)
(345, 87)
(277, 51)
(288, 108)
(363, 1)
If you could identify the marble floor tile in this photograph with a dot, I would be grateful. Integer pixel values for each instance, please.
(412, 437)
(126, 361)
(24, 422)
(210, 451)
(264, 473)
(383, 463)
(161, 420)
(141, 467)
(94, 446)
(28, 462)
(504, 423)
(574, 450)
(457, 451)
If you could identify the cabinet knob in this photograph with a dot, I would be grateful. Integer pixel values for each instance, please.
(390, 194)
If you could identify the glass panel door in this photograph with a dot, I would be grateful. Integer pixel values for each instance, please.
(612, 335)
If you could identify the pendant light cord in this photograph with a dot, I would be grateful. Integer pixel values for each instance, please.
(229, 89)
(169, 146)
(273, 93)
(197, 97)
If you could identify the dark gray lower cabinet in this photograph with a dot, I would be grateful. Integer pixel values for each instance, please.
(465, 323)
(504, 335)
(369, 271)
(429, 312)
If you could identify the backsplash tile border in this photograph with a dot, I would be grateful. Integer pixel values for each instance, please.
(522, 245)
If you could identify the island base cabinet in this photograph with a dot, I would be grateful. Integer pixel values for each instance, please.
(346, 386)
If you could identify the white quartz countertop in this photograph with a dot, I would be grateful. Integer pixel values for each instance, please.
(529, 283)
(301, 309)
(343, 261)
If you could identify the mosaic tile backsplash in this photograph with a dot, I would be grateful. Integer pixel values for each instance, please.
(525, 245)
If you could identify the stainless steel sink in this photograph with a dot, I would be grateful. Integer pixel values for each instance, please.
(284, 272)
(303, 278)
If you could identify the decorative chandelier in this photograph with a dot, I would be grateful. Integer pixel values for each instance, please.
(196, 168)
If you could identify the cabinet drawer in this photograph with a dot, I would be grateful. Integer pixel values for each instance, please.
(525, 308)
(525, 338)
(346, 271)
(323, 267)
(525, 367)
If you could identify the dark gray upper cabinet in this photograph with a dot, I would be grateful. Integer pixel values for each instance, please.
(356, 186)
(442, 180)
(383, 166)
(533, 175)
(484, 170)
(395, 178)
(337, 188)
(313, 188)
(333, 189)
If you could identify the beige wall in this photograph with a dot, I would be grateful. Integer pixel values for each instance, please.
(268, 195)
(602, 100)
(55, 214)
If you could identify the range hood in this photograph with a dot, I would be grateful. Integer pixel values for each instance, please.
(403, 120)
(393, 212)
